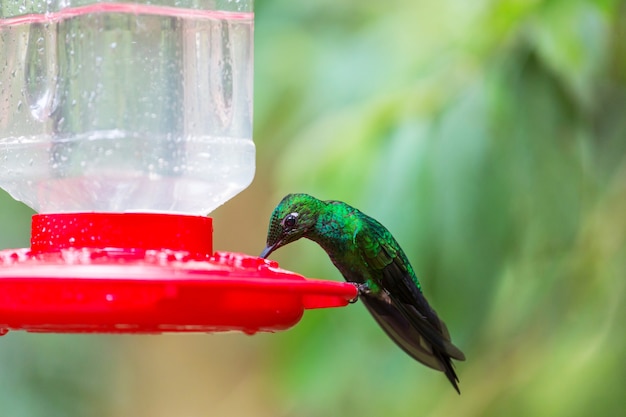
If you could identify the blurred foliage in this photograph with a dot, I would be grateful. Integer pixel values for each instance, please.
(489, 137)
(53, 376)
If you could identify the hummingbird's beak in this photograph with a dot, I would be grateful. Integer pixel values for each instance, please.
(269, 249)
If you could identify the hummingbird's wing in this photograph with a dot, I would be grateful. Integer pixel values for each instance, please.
(414, 307)
(400, 307)
(400, 330)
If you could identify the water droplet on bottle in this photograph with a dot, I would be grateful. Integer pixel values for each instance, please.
(40, 71)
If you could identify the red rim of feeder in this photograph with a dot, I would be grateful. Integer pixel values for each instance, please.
(148, 273)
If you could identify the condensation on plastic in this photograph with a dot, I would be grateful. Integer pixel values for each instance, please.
(130, 106)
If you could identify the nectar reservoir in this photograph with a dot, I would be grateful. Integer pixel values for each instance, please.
(126, 107)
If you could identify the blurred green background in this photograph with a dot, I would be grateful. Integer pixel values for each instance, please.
(489, 137)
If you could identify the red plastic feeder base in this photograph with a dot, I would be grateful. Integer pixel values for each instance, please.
(148, 273)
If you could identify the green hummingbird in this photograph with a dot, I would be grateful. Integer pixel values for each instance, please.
(366, 254)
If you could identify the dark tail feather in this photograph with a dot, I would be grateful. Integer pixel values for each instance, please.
(418, 338)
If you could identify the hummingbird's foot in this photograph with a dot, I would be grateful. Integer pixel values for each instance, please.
(362, 289)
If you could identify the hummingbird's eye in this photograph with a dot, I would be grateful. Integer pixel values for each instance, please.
(290, 220)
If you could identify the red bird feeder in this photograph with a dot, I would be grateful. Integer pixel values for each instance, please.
(122, 123)
(148, 273)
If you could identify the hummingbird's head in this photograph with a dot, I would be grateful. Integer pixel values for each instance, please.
(294, 217)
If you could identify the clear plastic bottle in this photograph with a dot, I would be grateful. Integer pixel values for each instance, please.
(131, 106)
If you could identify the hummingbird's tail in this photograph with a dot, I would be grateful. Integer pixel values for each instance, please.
(410, 330)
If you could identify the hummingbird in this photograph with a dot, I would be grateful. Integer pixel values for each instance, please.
(367, 255)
